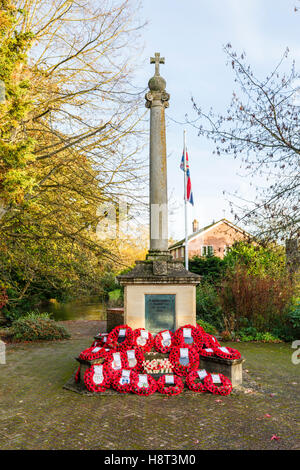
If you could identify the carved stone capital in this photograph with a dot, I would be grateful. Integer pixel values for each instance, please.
(149, 99)
(165, 96)
(165, 99)
(157, 98)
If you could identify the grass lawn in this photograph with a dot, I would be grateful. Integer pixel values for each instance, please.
(37, 413)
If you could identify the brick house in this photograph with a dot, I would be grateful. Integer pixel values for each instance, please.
(214, 239)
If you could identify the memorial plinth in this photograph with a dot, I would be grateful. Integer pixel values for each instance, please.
(231, 368)
(159, 293)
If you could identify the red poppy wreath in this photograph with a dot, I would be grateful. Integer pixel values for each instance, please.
(194, 381)
(202, 331)
(188, 336)
(122, 380)
(77, 375)
(211, 381)
(170, 385)
(96, 378)
(100, 339)
(120, 338)
(143, 384)
(227, 353)
(210, 341)
(184, 360)
(143, 339)
(207, 352)
(93, 353)
(115, 361)
(164, 341)
(133, 359)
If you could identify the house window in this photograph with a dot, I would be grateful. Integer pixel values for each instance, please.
(207, 250)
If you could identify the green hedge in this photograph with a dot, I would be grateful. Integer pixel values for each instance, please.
(36, 326)
(208, 328)
(208, 306)
(251, 334)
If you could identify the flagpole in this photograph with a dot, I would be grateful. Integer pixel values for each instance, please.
(186, 251)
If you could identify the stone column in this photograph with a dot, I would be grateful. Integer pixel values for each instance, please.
(157, 99)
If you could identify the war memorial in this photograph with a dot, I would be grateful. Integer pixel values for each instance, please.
(158, 346)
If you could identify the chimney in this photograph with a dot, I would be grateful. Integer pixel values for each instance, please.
(195, 225)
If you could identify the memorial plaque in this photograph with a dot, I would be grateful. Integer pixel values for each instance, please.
(160, 312)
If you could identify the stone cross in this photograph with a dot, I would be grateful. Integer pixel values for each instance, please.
(157, 60)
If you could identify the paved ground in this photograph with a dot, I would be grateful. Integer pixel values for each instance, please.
(37, 413)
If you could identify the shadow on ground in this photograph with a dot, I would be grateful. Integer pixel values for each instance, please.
(37, 413)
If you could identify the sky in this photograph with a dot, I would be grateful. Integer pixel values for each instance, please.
(190, 35)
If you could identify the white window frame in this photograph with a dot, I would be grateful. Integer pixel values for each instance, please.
(205, 250)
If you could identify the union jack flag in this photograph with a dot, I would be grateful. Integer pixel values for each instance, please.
(189, 193)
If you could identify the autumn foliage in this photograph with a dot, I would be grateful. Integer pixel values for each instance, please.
(257, 300)
(3, 298)
(70, 136)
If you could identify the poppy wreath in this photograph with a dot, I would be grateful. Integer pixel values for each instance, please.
(196, 335)
(112, 339)
(77, 375)
(143, 391)
(158, 342)
(93, 353)
(149, 342)
(224, 389)
(180, 369)
(100, 339)
(170, 389)
(207, 352)
(139, 355)
(115, 381)
(89, 380)
(193, 385)
(233, 353)
(97, 343)
(202, 331)
(210, 341)
(109, 363)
